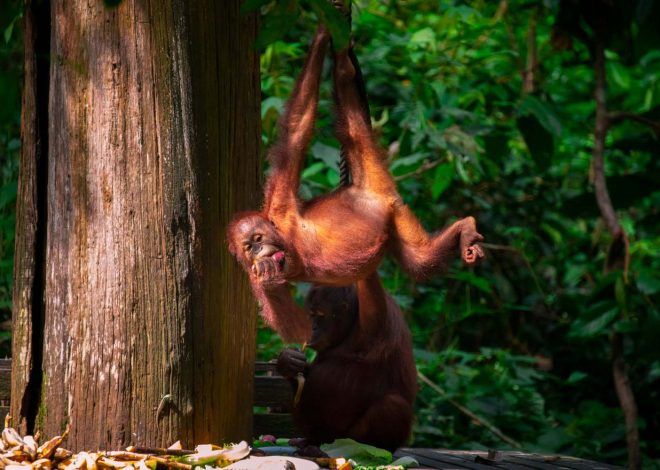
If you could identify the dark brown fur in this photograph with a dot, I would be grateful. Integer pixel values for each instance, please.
(362, 383)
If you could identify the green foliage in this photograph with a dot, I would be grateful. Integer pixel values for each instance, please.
(523, 340)
(282, 13)
(11, 58)
(361, 454)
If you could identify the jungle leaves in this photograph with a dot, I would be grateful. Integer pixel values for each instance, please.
(282, 14)
(539, 127)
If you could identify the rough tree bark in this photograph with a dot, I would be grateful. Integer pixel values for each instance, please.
(140, 140)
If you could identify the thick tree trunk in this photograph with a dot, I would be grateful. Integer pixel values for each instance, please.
(136, 324)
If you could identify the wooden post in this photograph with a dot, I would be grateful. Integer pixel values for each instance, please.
(140, 140)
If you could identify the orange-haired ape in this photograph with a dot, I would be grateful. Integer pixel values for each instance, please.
(342, 236)
(362, 383)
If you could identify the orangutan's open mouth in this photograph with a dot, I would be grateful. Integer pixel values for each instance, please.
(279, 258)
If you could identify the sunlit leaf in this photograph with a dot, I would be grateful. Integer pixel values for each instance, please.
(272, 102)
(327, 154)
(405, 462)
(362, 454)
(313, 169)
(423, 37)
(618, 74)
(404, 164)
(443, 176)
(576, 377)
(333, 177)
(8, 31)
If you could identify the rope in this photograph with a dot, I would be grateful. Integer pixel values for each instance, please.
(344, 167)
(344, 170)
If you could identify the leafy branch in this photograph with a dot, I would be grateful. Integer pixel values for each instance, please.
(467, 412)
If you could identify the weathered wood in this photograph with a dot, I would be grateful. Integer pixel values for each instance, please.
(27, 303)
(275, 392)
(147, 326)
(261, 367)
(464, 459)
(5, 385)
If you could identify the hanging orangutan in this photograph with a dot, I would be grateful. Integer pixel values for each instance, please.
(362, 383)
(342, 236)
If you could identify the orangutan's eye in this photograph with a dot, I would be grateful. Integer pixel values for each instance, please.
(247, 247)
(257, 238)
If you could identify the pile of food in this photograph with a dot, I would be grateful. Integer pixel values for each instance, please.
(24, 453)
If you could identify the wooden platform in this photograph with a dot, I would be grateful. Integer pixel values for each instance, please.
(478, 460)
(273, 396)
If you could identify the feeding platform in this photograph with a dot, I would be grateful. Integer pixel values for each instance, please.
(273, 394)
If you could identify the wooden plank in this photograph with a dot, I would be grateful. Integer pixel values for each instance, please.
(534, 461)
(427, 463)
(273, 391)
(458, 459)
(261, 366)
(472, 455)
(5, 380)
(583, 464)
(442, 460)
(573, 463)
(277, 424)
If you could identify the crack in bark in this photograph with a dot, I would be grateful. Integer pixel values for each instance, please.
(38, 24)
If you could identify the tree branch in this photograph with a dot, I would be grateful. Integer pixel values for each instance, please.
(520, 253)
(470, 414)
(529, 74)
(600, 132)
(618, 253)
(627, 400)
(616, 117)
(426, 166)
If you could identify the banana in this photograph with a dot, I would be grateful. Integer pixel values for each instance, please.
(47, 448)
(42, 464)
(11, 437)
(62, 454)
(30, 447)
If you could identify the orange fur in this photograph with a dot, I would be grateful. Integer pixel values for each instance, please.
(340, 237)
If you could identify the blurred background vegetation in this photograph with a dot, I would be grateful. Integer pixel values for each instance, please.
(486, 109)
(11, 67)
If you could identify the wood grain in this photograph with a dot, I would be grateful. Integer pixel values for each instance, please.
(153, 143)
